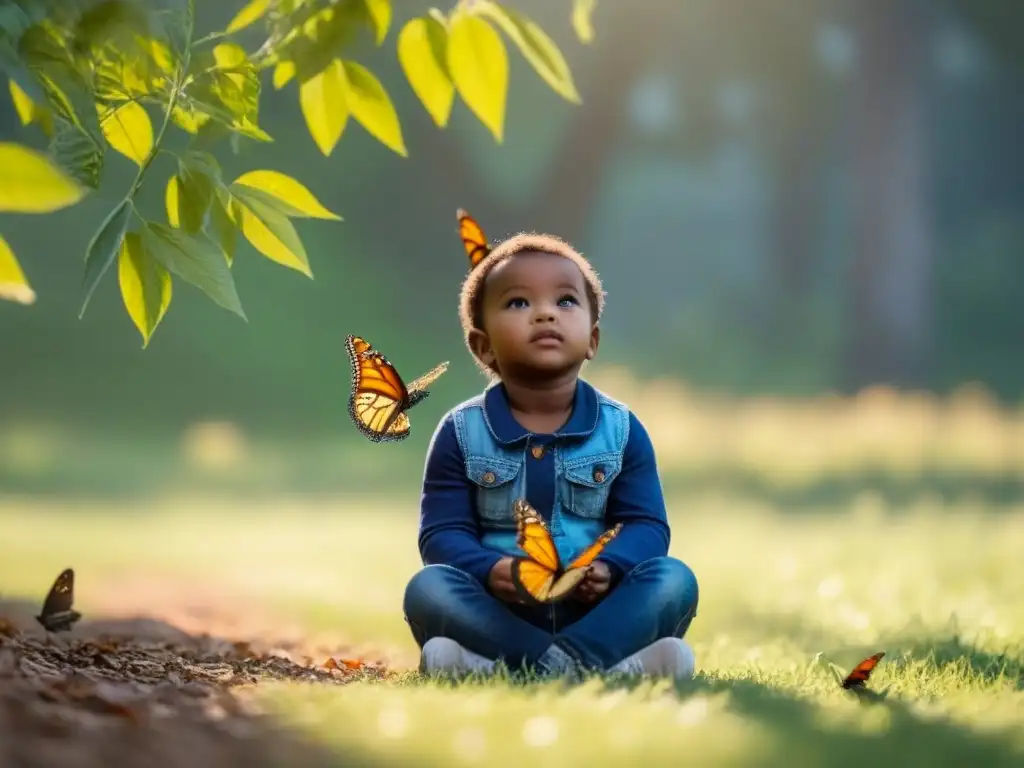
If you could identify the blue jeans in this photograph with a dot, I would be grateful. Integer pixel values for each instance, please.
(657, 599)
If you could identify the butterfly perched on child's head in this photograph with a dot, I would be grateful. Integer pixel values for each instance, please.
(380, 398)
(539, 577)
(860, 674)
(473, 238)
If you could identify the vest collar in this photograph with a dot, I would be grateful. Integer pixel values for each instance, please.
(506, 430)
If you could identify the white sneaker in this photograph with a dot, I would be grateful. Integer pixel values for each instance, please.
(667, 657)
(444, 656)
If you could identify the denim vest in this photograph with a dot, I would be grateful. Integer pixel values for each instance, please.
(585, 468)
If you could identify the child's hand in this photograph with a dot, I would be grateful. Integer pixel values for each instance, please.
(596, 583)
(500, 582)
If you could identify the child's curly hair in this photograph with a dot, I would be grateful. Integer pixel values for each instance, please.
(472, 293)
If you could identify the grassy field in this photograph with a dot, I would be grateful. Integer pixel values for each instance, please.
(820, 531)
(938, 589)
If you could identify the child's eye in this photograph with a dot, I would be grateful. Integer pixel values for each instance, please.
(517, 303)
(568, 299)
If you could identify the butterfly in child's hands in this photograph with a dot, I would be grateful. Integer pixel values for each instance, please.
(380, 398)
(57, 614)
(539, 577)
(473, 238)
(860, 674)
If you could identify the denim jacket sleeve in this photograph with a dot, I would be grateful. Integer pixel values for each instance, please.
(636, 501)
(449, 533)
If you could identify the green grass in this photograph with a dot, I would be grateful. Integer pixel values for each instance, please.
(937, 587)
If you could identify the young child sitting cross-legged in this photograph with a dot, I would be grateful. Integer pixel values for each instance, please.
(583, 461)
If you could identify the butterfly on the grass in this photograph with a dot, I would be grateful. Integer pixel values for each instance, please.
(57, 614)
(860, 674)
(473, 238)
(539, 576)
(380, 398)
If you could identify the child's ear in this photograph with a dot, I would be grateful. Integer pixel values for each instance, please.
(481, 346)
(595, 340)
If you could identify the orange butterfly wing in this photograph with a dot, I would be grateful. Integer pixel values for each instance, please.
(860, 674)
(538, 576)
(379, 397)
(473, 238)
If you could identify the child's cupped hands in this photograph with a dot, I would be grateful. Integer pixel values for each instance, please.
(597, 582)
(500, 581)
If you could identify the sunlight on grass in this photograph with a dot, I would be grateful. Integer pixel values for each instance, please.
(938, 588)
(935, 580)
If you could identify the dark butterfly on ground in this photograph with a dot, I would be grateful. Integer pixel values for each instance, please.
(860, 674)
(380, 398)
(473, 238)
(57, 614)
(539, 577)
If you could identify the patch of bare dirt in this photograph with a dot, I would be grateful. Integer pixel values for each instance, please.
(126, 691)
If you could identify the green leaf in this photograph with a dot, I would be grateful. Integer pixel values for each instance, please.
(582, 19)
(192, 190)
(380, 15)
(223, 224)
(13, 285)
(11, 63)
(128, 130)
(145, 286)
(103, 247)
(370, 104)
(224, 86)
(77, 153)
(250, 14)
(322, 99)
(535, 45)
(422, 52)
(298, 200)
(478, 63)
(31, 183)
(196, 259)
(268, 229)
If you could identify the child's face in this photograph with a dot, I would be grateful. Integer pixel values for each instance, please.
(536, 317)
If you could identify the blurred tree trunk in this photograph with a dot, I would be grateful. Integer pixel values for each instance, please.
(890, 274)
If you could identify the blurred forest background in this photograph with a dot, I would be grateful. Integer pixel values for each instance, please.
(789, 202)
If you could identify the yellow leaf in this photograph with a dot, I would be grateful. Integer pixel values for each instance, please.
(231, 56)
(322, 98)
(270, 232)
(380, 15)
(300, 201)
(13, 285)
(478, 63)
(31, 183)
(535, 45)
(582, 11)
(370, 104)
(128, 130)
(250, 14)
(145, 285)
(172, 201)
(422, 52)
(28, 111)
(284, 71)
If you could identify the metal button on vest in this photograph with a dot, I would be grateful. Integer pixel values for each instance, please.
(537, 451)
(598, 474)
(488, 477)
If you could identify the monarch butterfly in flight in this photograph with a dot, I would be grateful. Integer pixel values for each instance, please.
(473, 238)
(860, 674)
(539, 576)
(380, 398)
(57, 614)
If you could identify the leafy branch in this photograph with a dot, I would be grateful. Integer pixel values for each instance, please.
(86, 72)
